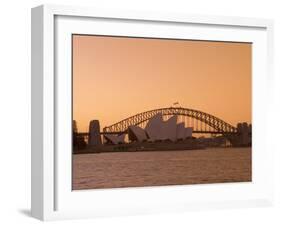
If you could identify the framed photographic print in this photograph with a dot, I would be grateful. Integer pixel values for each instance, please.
(137, 113)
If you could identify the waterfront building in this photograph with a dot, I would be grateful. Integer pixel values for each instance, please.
(153, 127)
(159, 130)
(115, 139)
(180, 131)
(136, 133)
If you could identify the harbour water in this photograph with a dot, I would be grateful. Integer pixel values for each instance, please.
(156, 168)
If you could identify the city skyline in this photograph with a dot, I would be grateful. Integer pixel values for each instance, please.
(116, 77)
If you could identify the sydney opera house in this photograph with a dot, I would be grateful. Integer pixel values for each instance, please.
(155, 130)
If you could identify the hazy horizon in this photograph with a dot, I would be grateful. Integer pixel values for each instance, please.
(117, 77)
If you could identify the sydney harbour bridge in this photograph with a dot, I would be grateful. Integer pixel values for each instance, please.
(200, 121)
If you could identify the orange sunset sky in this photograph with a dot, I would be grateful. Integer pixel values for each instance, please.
(117, 77)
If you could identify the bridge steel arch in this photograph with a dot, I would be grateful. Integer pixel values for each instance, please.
(217, 124)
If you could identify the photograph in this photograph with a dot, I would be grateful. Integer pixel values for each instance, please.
(151, 111)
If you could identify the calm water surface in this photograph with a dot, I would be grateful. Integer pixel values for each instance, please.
(134, 169)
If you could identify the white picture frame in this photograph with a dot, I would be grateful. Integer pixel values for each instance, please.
(52, 197)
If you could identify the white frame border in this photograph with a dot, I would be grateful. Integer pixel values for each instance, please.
(43, 87)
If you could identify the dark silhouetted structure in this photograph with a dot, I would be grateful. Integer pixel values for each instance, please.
(174, 126)
(94, 133)
(78, 141)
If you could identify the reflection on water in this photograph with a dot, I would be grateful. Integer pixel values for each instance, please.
(136, 169)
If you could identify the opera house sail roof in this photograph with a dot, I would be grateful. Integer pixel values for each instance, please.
(136, 133)
(169, 129)
(154, 127)
(115, 139)
(159, 130)
(181, 131)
